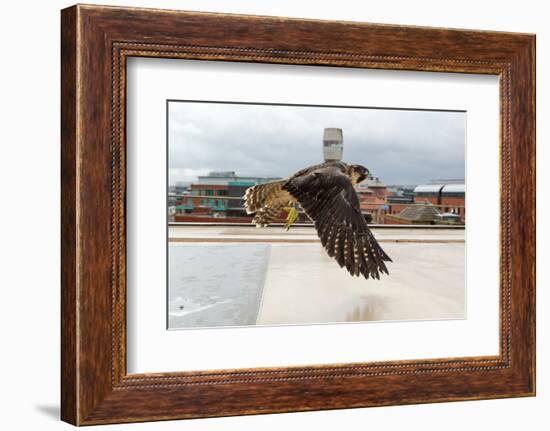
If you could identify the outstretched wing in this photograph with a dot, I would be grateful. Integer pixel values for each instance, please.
(329, 199)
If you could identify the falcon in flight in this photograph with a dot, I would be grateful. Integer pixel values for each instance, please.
(326, 194)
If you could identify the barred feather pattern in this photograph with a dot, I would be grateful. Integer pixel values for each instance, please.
(266, 202)
(267, 215)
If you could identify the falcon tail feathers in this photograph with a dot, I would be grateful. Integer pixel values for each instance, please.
(266, 216)
(257, 197)
(266, 202)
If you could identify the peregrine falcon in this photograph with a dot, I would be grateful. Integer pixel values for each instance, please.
(326, 194)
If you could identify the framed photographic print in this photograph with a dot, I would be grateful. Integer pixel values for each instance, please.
(264, 214)
(279, 275)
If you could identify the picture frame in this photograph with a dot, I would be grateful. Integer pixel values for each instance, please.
(96, 42)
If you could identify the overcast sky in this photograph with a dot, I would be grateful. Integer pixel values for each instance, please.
(398, 146)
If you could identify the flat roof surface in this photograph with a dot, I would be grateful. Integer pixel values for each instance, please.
(238, 276)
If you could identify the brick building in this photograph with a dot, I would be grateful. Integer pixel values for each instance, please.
(205, 199)
(449, 198)
(216, 195)
(372, 198)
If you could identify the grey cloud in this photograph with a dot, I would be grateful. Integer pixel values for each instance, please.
(399, 146)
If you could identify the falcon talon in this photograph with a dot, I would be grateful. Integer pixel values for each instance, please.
(292, 215)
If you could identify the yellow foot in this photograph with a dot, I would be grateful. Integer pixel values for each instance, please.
(291, 217)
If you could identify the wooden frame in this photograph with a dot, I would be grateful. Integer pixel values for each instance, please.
(96, 41)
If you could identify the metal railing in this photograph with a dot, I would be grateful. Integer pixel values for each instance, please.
(310, 225)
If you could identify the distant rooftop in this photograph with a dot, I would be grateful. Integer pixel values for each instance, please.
(454, 188)
(459, 188)
(222, 174)
(369, 183)
(226, 177)
(447, 181)
(428, 188)
(420, 213)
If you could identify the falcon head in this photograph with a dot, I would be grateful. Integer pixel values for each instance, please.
(357, 173)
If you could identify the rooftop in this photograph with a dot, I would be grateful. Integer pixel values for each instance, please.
(272, 277)
(441, 187)
(370, 183)
(224, 178)
(420, 213)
